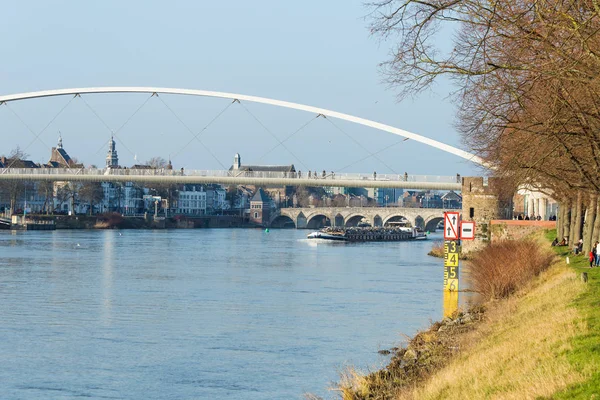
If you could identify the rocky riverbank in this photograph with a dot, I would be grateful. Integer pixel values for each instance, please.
(425, 353)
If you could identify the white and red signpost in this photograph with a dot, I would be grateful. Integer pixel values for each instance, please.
(454, 230)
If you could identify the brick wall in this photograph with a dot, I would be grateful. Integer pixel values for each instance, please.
(482, 202)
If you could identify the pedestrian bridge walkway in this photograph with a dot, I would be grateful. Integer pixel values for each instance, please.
(228, 177)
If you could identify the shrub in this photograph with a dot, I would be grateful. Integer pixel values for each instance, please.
(506, 266)
(109, 220)
(437, 250)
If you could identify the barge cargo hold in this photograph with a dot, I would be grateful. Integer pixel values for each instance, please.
(368, 234)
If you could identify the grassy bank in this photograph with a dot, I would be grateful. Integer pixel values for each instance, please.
(542, 341)
(584, 355)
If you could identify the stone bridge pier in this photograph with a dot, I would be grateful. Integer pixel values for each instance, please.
(318, 217)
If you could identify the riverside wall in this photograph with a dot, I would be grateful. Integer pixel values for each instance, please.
(120, 222)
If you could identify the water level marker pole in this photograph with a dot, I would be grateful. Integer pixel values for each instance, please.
(451, 262)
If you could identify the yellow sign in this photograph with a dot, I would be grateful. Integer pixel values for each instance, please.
(450, 266)
(451, 260)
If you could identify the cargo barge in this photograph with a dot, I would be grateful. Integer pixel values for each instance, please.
(368, 234)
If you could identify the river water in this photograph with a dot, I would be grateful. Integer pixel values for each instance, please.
(202, 314)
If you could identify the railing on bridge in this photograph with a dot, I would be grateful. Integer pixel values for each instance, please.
(231, 173)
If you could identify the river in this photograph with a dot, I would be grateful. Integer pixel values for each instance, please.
(202, 314)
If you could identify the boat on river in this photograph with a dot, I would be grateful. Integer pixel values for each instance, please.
(323, 234)
(391, 233)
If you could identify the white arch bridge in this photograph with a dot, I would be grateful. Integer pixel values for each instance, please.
(235, 96)
(314, 218)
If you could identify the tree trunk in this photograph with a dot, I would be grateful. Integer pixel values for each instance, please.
(575, 233)
(567, 219)
(559, 220)
(572, 214)
(590, 218)
(596, 229)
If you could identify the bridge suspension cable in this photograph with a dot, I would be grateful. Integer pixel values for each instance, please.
(368, 156)
(360, 145)
(135, 112)
(192, 132)
(289, 136)
(279, 103)
(36, 136)
(197, 136)
(112, 132)
(272, 134)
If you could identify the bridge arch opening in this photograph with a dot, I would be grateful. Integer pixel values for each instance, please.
(339, 221)
(377, 221)
(318, 221)
(432, 223)
(283, 222)
(354, 220)
(396, 218)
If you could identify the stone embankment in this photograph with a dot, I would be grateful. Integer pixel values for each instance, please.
(117, 221)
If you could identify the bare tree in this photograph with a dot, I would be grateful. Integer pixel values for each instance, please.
(15, 189)
(46, 189)
(91, 193)
(527, 76)
(157, 162)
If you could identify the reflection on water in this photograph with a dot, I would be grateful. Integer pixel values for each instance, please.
(202, 313)
(107, 277)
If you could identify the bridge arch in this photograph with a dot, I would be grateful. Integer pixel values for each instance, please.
(396, 218)
(235, 96)
(432, 222)
(318, 221)
(353, 219)
(283, 221)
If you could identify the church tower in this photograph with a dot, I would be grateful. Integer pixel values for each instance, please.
(112, 159)
(237, 161)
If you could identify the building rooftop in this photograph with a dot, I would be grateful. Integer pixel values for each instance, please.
(18, 163)
(451, 195)
(260, 196)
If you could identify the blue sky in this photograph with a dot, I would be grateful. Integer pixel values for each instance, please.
(311, 52)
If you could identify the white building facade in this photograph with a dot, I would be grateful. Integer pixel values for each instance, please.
(191, 201)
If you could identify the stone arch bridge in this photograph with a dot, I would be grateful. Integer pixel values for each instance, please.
(318, 217)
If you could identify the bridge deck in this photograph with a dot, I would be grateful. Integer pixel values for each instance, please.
(231, 178)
